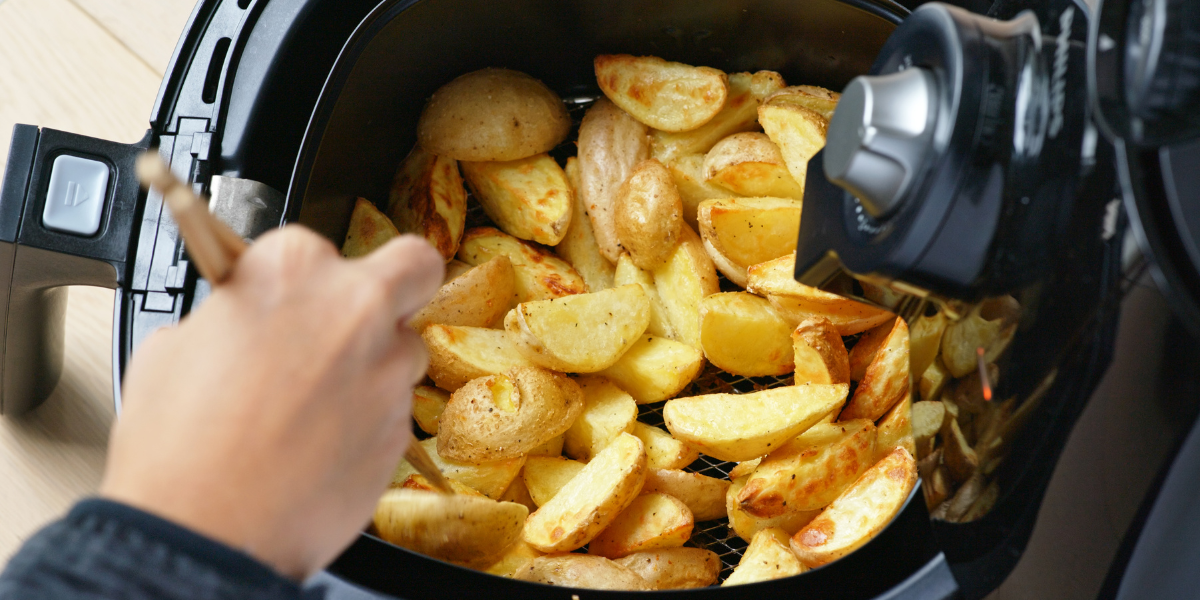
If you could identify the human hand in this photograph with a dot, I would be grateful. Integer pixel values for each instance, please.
(272, 417)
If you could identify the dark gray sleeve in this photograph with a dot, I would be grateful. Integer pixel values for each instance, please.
(104, 549)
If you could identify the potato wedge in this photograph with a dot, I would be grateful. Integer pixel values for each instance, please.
(369, 229)
(519, 493)
(895, 429)
(927, 420)
(611, 144)
(675, 568)
(865, 348)
(460, 529)
(493, 114)
(686, 278)
(427, 405)
(584, 333)
(937, 487)
(667, 96)
(886, 380)
(957, 454)
(739, 233)
(489, 479)
(795, 302)
(861, 512)
(513, 559)
(477, 298)
(811, 97)
(703, 495)
(650, 522)
(798, 131)
(590, 502)
(529, 198)
(553, 447)
(649, 214)
(417, 481)
(579, 246)
(745, 525)
(990, 325)
(628, 273)
(459, 354)
(581, 571)
(607, 413)
(687, 172)
(925, 341)
(743, 335)
(744, 426)
(454, 268)
(662, 450)
(934, 380)
(811, 470)
(507, 415)
(820, 354)
(743, 469)
(537, 274)
(428, 199)
(545, 475)
(750, 164)
(768, 557)
(656, 369)
(739, 114)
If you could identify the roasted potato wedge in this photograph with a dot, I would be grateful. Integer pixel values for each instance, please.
(579, 246)
(519, 493)
(489, 479)
(811, 97)
(507, 415)
(667, 96)
(428, 199)
(477, 298)
(460, 529)
(675, 568)
(537, 274)
(743, 335)
(369, 229)
(820, 354)
(925, 341)
(927, 420)
(629, 273)
(739, 114)
(865, 348)
(703, 495)
(516, 556)
(649, 214)
(611, 144)
(687, 172)
(739, 233)
(456, 267)
(529, 198)
(744, 426)
(459, 354)
(768, 557)
(551, 448)
(957, 453)
(581, 571)
(583, 333)
(743, 469)
(990, 325)
(798, 131)
(494, 115)
(750, 164)
(420, 482)
(662, 450)
(934, 380)
(650, 522)
(686, 278)
(745, 525)
(810, 471)
(886, 380)
(861, 512)
(895, 429)
(545, 475)
(427, 406)
(795, 301)
(656, 369)
(590, 502)
(607, 413)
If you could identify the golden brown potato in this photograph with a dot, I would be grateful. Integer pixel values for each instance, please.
(517, 492)
(537, 274)
(369, 229)
(581, 571)
(990, 325)
(686, 278)
(650, 522)
(743, 469)
(937, 486)
(590, 502)
(743, 335)
(703, 495)
(811, 97)
(861, 512)
(820, 354)
(428, 199)
(795, 301)
(925, 340)
(611, 144)
(607, 413)
(460, 529)
(750, 164)
(927, 418)
(739, 233)
(745, 525)
(629, 273)
(477, 298)
(545, 475)
(507, 415)
(427, 406)
(493, 114)
(739, 114)
(489, 479)
(675, 568)
(886, 380)
(649, 214)
(687, 172)
(454, 268)
(667, 96)
(656, 369)
(417, 481)
(662, 450)
(768, 557)
(579, 246)
(528, 198)
(583, 333)
(459, 354)
(811, 470)
(895, 429)
(798, 131)
(516, 556)
(745, 426)
(551, 448)
(865, 348)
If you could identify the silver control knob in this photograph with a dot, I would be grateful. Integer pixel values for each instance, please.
(879, 136)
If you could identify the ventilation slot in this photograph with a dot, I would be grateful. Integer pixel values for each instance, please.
(209, 95)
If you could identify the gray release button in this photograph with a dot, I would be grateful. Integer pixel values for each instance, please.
(78, 187)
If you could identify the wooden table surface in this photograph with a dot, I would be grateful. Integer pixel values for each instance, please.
(91, 67)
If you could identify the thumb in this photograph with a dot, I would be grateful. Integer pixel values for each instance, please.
(411, 270)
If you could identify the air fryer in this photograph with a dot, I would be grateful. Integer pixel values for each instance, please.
(288, 110)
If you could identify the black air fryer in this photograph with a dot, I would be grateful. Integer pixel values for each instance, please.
(966, 164)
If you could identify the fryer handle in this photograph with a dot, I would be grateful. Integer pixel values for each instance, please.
(44, 248)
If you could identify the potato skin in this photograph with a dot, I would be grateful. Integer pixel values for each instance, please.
(369, 229)
(611, 144)
(460, 529)
(649, 214)
(675, 568)
(581, 571)
(493, 114)
(667, 96)
(538, 274)
(477, 298)
(428, 198)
